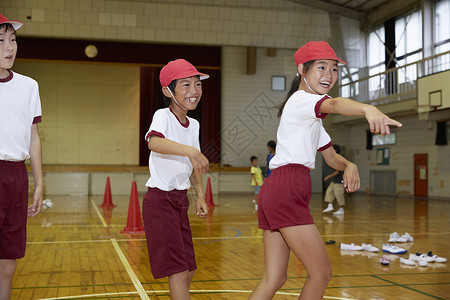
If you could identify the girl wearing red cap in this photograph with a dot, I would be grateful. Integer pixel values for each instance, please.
(175, 163)
(283, 203)
(20, 113)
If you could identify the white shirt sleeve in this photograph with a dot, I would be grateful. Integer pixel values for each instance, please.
(324, 138)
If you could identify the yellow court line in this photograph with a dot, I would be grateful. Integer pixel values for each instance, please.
(137, 284)
(90, 296)
(130, 271)
(98, 213)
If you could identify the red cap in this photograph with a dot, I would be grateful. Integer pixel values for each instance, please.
(177, 69)
(316, 50)
(15, 24)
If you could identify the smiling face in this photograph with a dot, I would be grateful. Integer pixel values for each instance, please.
(8, 50)
(320, 78)
(187, 93)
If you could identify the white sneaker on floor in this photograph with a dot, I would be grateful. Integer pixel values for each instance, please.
(393, 249)
(396, 238)
(350, 247)
(422, 263)
(420, 258)
(328, 209)
(369, 247)
(407, 262)
(339, 212)
(393, 237)
(402, 239)
(436, 258)
(425, 257)
(407, 237)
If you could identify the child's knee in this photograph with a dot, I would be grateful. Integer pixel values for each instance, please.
(7, 268)
(323, 276)
(276, 282)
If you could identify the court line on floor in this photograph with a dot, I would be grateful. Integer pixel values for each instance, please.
(129, 269)
(258, 279)
(137, 284)
(407, 287)
(98, 213)
(214, 238)
(191, 291)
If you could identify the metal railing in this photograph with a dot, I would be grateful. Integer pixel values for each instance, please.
(396, 84)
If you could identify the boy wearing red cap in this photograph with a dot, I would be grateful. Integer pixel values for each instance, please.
(283, 203)
(175, 163)
(20, 112)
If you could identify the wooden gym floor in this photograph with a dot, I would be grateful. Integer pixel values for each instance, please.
(76, 251)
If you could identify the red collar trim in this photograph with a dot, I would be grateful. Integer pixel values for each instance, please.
(10, 76)
(185, 125)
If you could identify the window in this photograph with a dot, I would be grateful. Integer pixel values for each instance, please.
(376, 58)
(378, 140)
(349, 90)
(408, 40)
(442, 26)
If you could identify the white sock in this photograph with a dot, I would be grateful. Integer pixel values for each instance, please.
(341, 209)
(330, 205)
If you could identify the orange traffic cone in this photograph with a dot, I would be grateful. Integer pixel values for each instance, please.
(208, 195)
(134, 221)
(107, 198)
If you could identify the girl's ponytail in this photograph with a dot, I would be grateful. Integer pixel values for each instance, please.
(294, 86)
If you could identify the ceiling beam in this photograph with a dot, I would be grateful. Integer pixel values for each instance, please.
(391, 9)
(329, 7)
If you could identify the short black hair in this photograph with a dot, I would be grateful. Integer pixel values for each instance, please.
(253, 158)
(171, 86)
(6, 26)
(272, 144)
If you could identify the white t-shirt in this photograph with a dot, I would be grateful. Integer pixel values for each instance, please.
(168, 172)
(20, 108)
(300, 133)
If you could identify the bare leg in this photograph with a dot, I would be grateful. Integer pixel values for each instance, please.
(179, 285)
(7, 269)
(308, 247)
(276, 258)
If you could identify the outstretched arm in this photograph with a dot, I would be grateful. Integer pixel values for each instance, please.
(338, 162)
(165, 146)
(36, 168)
(378, 122)
(202, 207)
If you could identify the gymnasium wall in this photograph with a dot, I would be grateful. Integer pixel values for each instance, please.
(90, 112)
(416, 136)
(261, 23)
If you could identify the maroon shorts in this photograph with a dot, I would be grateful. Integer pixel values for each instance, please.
(13, 209)
(284, 198)
(168, 232)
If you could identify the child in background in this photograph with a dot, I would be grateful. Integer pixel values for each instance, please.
(257, 178)
(335, 189)
(271, 145)
(175, 163)
(20, 113)
(283, 211)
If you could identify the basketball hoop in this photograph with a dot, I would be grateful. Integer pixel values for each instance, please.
(424, 110)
